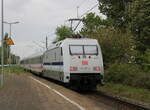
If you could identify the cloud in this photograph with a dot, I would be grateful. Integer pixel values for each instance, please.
(16, 5)
(38, 19)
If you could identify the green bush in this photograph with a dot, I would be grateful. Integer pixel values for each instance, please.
(14, 69)
(138, 94)
(128, 74)
(146, 60)
(115, 45)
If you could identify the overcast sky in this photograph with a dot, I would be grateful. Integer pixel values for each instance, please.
(38, 19)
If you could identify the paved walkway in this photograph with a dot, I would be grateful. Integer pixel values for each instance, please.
(22, 93)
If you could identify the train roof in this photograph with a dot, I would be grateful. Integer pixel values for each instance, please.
(61, 43)
(72, 40)
(38, 54)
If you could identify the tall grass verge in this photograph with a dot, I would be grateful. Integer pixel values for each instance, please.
(138, 94)
(14, 69)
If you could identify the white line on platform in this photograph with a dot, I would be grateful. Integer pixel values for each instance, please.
(66, 98)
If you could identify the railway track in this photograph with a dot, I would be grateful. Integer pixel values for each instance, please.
(117, 102)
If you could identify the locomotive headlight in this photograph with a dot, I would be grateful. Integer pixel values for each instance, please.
(73, 68)
(97, 68)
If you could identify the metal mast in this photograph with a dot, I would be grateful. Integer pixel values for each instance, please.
(2, 41)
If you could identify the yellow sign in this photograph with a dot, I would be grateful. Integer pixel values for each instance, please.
(9, 41)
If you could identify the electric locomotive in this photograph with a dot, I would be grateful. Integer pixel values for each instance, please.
(76, 62)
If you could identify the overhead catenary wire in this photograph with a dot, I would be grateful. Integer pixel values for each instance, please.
(39, 45)
(90, 9)
(78, 6)
(85, 14)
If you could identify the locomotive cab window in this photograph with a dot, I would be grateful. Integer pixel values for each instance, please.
(76, 50)
(83, 50)
(91, 50)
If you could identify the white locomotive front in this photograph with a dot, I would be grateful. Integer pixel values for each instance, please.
(77, 62)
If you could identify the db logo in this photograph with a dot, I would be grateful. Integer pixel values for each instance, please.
(85, 63)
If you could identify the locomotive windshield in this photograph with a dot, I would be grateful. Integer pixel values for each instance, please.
(90, 50)
(76, 50)
(83, 50)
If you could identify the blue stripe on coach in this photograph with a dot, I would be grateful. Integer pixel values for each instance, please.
(54, 63)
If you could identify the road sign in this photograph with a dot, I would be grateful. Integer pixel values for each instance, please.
(9, 41)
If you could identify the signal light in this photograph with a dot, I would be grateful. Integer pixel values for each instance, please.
(73, 68)
(97, 68)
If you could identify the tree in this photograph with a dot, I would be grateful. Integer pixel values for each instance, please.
(116, 11)
(92, 23)
(130, 15)
(139, 15)
(15, 58)
(6, 49)
(146, 60)
(63, 32)
(116, 45)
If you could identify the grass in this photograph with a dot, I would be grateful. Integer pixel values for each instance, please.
(1, 87)
(14, 69)
(138, 94)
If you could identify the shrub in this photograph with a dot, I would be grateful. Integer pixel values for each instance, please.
(146, 60)
(128, 74)
(115, 45)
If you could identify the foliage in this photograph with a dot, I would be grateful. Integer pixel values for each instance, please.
(128, 74)
(115, 44)
(6, 49)
(120, 90)
(139, 15)
(145, 59)
(124, 37)
(14, 69)
(119, 51)
(14, 58)
(116, 11)
(130, 15)
(63, 32)
(93, 22)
